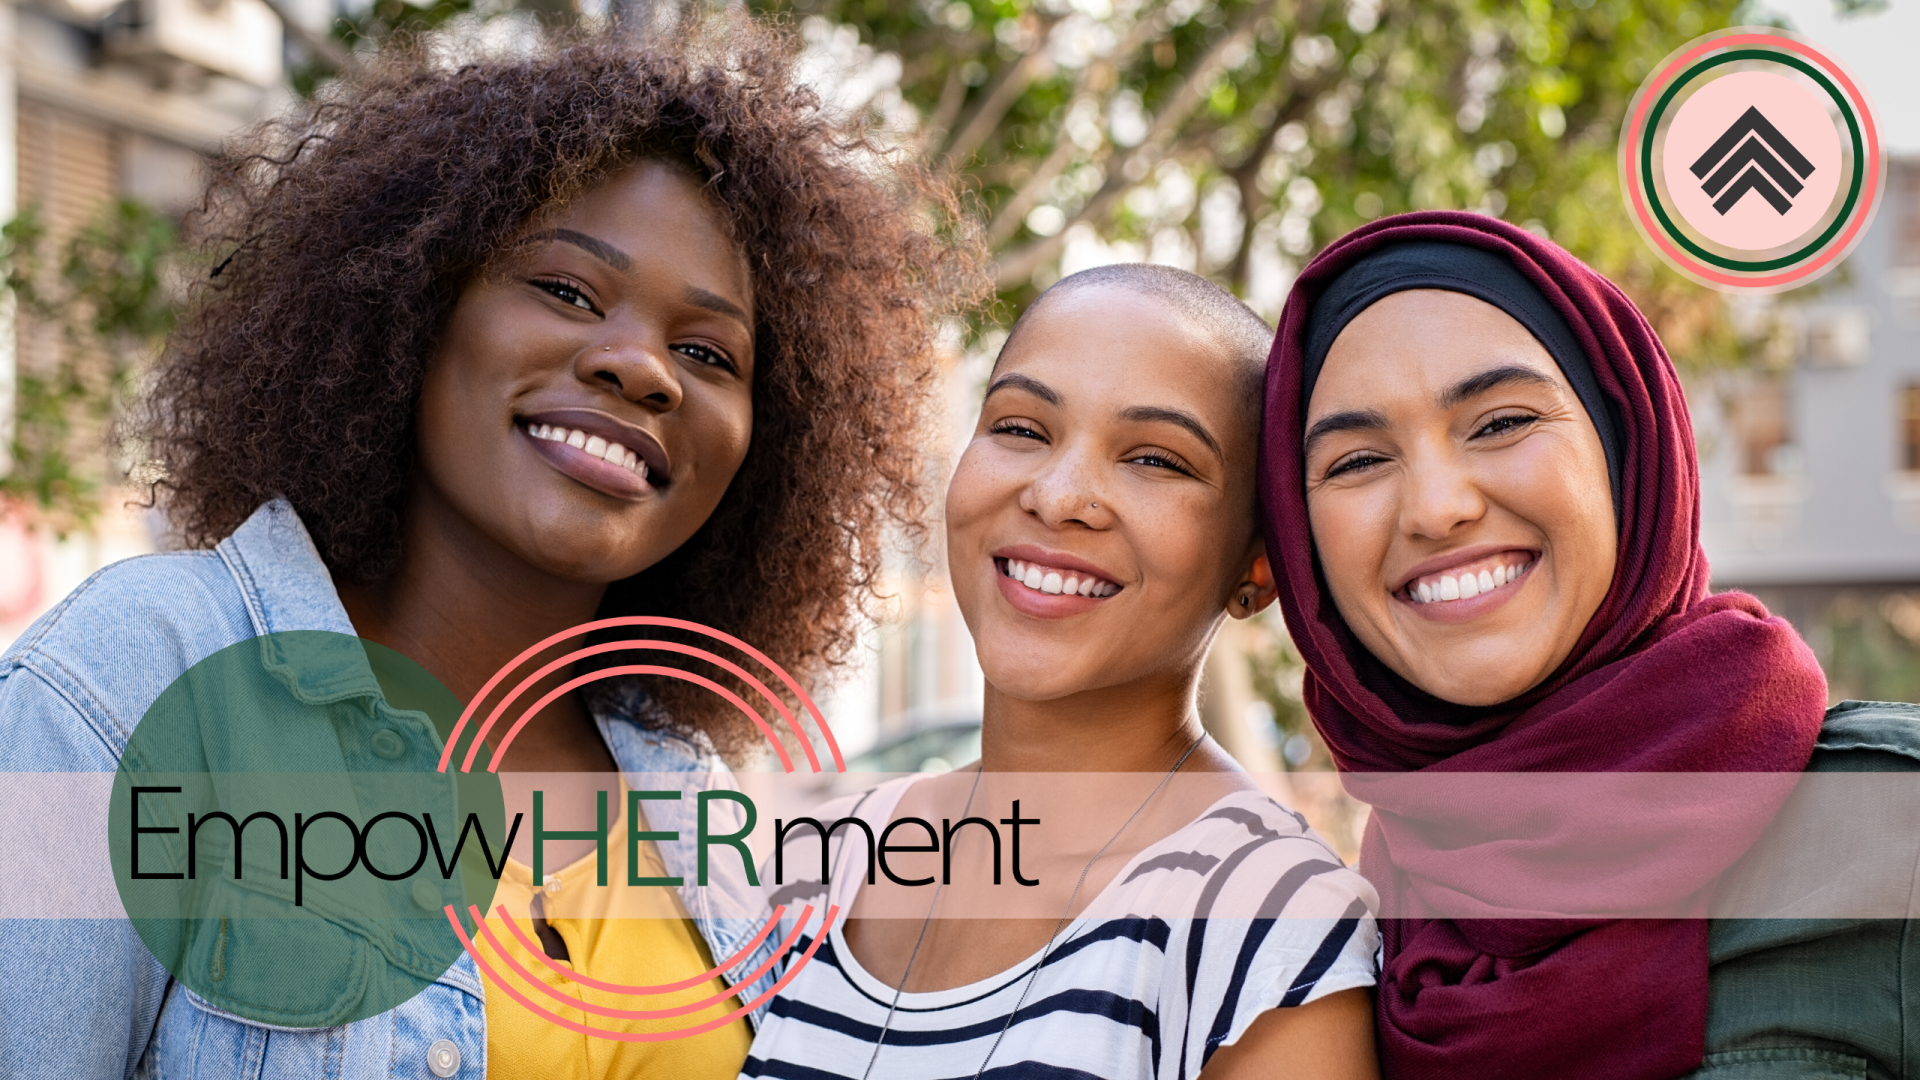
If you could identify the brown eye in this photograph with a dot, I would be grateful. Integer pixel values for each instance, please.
(1353, 464)
(567, 293)
(1503, 425)
(704, 355)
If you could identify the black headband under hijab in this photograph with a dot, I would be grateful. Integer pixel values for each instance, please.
(1436, 264)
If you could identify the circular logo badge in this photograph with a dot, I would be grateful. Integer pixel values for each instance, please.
(1750, 161)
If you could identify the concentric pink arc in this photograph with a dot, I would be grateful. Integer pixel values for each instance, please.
(664, 988)
(839, 762)
(663, 1036)
(608, 1010)
(636, 644)
(577, 681)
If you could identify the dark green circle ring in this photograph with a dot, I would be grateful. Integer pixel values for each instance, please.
(1660, 211)
(283, 839)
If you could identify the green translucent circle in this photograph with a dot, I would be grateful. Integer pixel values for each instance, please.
(325, 736)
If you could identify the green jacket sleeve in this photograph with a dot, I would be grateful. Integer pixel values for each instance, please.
(1823, 998)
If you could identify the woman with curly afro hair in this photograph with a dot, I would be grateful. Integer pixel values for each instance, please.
(609, 328)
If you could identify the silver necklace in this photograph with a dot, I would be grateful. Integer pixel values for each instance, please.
(1045, 952)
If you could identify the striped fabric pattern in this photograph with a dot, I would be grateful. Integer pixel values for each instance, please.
(1145, 993)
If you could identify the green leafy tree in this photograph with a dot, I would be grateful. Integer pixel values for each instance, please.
(1240, 136)
(90, 312)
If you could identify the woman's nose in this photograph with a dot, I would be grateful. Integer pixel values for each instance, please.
(1440, 495)
(1063, 493)
(634, 365)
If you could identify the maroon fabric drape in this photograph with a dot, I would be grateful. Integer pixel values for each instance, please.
(1665, 679)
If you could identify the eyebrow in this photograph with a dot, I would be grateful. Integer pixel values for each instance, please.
(620, 260)
(1474, 385)
(1351, 420)
(599, 249)
(1157, 414)
(1023, 382)
(701, 298)
(1471, 386)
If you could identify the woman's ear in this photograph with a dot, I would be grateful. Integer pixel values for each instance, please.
(1255, 592)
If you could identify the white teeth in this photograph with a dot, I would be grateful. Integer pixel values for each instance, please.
(1466, 586)
(1057, 582)
(612, 453)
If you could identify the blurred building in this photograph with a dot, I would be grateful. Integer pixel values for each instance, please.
(1811, 466)
(103, 99)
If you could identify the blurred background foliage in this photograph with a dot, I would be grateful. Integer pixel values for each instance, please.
(88, 312)
(1231, 137)
(1237, 137)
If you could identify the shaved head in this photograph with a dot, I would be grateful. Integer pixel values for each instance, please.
(1243, 337)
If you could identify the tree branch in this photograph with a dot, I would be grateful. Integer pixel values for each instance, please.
(1101, 72)
(1018, 265)
(1246, 174)
(330, 52)
(1000, 99)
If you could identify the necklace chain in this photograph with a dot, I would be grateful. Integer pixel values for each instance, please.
(887, 1025)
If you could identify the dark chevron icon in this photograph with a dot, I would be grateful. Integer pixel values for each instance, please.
(1764, 153)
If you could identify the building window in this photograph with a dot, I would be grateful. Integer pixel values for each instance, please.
(1910, 428)
(1759, 413)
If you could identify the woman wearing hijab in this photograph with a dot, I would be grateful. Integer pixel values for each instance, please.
(1482, 499)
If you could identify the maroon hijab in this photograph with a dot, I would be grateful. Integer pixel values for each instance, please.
(1665, 679)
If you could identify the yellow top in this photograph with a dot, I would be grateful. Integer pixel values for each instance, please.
(629, 935)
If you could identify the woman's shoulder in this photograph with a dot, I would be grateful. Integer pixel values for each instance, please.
(108, 649)
(1248, 856)
(1869, 736)
(143, 594)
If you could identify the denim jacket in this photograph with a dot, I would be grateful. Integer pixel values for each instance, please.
(85, 998)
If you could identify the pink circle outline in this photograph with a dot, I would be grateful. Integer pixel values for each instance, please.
(813, 710)
(663, 1036)
(1636, 196)
(664, 988)
(638, 644)
(608, 1010)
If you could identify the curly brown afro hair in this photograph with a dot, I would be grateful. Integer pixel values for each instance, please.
(348, 229)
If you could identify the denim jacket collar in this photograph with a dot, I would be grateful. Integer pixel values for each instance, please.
(286, 586)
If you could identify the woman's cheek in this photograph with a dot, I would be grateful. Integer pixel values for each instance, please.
(1352, 529)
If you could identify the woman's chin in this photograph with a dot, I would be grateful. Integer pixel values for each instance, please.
(1472, 679)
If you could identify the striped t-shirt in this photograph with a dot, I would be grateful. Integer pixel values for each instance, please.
(1138, 995)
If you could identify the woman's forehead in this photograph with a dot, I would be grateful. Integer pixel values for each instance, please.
(1118, 348)
(1419, 341)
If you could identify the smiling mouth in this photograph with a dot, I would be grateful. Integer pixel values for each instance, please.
(1471, 580)
(593, 445)
(1054, 581)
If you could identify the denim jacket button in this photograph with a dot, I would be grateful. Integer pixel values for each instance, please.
(443, 1058)
(388, 744)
